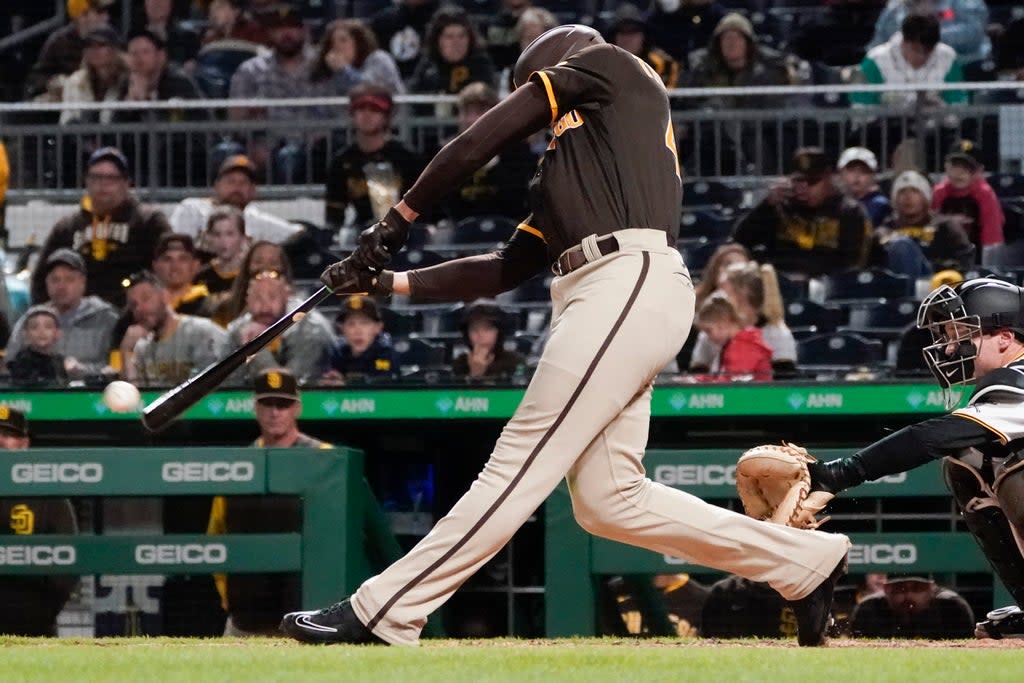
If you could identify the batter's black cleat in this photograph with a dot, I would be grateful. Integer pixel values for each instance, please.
(1005, 622)
(814, 612)
(335, 624)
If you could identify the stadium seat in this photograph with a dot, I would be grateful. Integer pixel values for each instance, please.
(537, 288)
(868, 284)
(822, 317)
(707, 193)
(792, 287)
(484, 230)
(416, 258)
(1007, 185)
(713, 224)
(217, 62)
(696, 254)
(419, 354)
(842, 349)
(400, 323)
(887, 315)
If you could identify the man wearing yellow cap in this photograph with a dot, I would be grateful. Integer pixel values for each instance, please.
(62, 53)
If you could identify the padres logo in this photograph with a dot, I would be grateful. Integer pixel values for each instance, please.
(23, 520)
(274, 380)
(5, 412)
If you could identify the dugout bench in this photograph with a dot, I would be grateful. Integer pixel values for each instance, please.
(575, 560)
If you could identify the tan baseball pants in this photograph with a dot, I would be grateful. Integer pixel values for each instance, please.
(616, 322)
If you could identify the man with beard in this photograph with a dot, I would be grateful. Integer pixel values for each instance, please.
(235, 186)
(163, 348)
(302, 350)
(282, 74)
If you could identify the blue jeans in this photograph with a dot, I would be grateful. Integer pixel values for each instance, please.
(907, 258)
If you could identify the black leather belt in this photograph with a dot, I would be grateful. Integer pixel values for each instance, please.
(574, 258)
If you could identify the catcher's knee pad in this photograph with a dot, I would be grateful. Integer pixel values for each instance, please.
(987, 522)
(1009, 490)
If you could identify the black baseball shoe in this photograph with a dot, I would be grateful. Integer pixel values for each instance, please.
(1005, 622)
(814, 612)
(335, 624)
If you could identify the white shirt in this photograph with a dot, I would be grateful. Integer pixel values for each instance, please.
(190, 216)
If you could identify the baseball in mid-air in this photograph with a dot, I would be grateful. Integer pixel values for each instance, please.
(122, 397)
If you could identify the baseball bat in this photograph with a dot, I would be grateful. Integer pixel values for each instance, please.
(158, 414)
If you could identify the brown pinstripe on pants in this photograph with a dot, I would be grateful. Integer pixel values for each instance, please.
(615, 323)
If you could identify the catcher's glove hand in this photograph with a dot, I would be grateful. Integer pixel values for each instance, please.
(774, 484)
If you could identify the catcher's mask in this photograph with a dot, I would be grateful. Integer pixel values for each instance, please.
(958, 318)
(551, 47)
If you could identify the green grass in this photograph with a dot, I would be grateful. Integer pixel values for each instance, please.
(546, 661)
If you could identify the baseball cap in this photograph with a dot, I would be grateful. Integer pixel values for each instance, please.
(276, 383)
(358, 303)
(77, 8)
(104, 35)
(861, 154)
(13, 421)
(42, 309)
(152, 37)
(627, 18)
(111, 154)
(914, 180)
(175, 240)
(379, 100)
(810, 164)
(281, 16)
(238, 162)
(65, 257)
(965, 152)
(907, 581)
(483, 309)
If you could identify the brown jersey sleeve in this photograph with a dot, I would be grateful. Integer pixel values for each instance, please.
(587, 79)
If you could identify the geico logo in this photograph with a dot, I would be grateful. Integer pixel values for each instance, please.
(64, 472)
(37, 555)
(239, 470)
(188, 553)
(691, 475)
(883, 553)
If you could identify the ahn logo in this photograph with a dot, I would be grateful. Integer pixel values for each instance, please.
(883, 553)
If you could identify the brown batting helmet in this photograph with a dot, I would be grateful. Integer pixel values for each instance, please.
(551, 47)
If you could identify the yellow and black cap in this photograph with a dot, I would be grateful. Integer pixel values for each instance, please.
(276, 383)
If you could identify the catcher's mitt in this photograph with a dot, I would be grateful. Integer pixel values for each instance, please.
(775, 485)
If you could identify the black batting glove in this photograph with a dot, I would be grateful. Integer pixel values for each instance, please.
(382, 240)
(347, 277)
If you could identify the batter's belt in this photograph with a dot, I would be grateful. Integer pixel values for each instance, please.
(587, 251)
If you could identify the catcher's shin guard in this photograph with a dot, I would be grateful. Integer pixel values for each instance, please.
(988, 524)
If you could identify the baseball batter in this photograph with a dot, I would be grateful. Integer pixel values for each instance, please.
(605, 214)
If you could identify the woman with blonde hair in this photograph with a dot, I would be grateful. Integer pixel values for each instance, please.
(726, 255)
(754, 291)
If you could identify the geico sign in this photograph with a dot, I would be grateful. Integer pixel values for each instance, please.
(692, 475)
(240, 470)
(37, 555)
(63, 472)
(883, 553)
(188, 553)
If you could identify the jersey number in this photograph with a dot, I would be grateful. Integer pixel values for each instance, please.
(670, 137)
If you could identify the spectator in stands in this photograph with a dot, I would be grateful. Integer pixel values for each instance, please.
(182, 44)
(261, 256)
(962, 24)
(753, 290)
(743, 354)
(400, 29)
(38, 362)
(913, 240)
(913, 56)
(225, 238)
(483, 332)
(161, 347)
(838, 35)
(62, 53)
(282, 74)
(454, 55)
(151, 77)
(373, 147)
(86, 322)
(857, 166)
(303, 349)
(112, 231)
(228, 20)
(681, 26)
(710, 278)
(176, 264)
(628, 29)
(531, 23)
(235, 186)
(500, 187)
(913, 607)
(364, 349)
(965, 196)
(500, 33)
(805, 225)
(732, 58)
(255, 602)
(348, 55)
(100, 79)
(32, 603)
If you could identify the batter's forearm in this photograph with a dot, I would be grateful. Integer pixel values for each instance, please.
(463, 279)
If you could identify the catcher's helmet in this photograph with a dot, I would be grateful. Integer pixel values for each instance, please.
(551, 47)
(956, 315)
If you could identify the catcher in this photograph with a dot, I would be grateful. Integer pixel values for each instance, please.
(978, 336)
